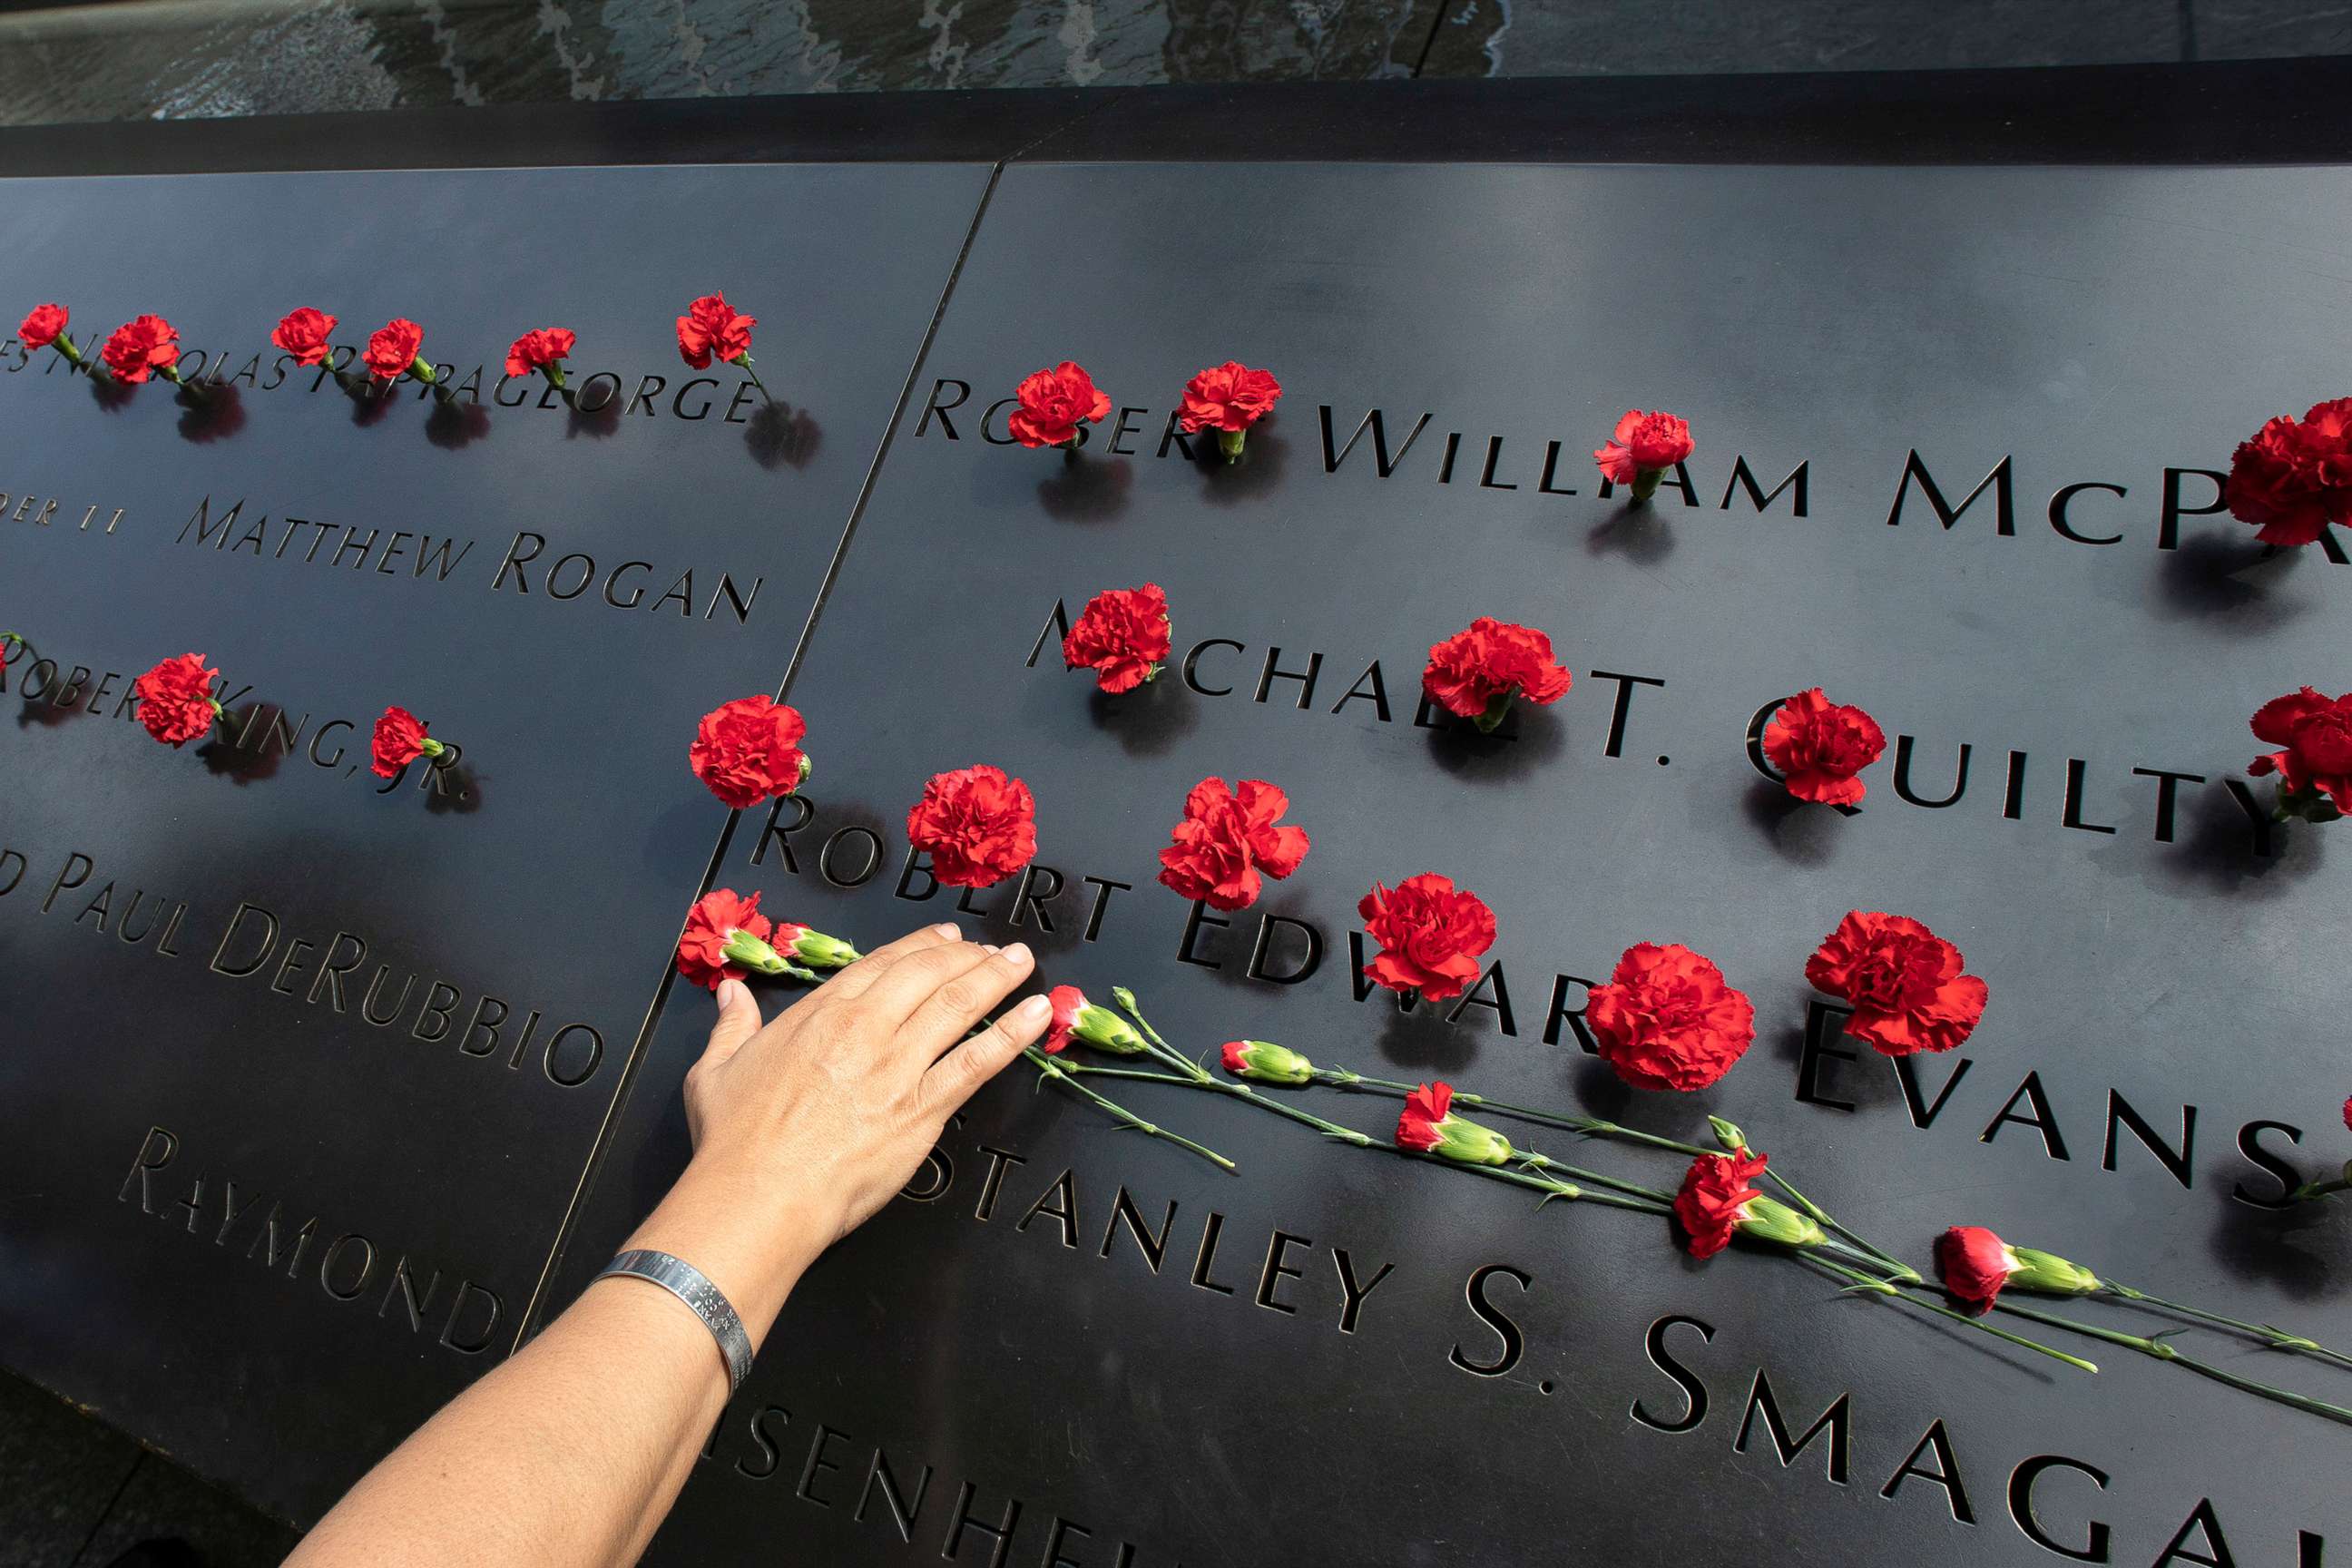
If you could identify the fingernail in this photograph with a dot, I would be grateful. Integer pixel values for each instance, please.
(731, 992)
(1031, 1009)
(949, 930)
(1018, 953)
(988, 947)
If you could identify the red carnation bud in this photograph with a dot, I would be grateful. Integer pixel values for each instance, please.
(542, 349)
(1976, 1266)
(1267, 1062)
(1054, 403)
(1715, 1203)
(175, 699)
(726, 938)
(1642, 448)
(1904, 981)
(1427, 1123)
(812, 947)
(978, 825)
(1075, 1018)
(749, 751)
(2314, 768)
(1819, 746)
(1667, 1020)
(399, 740)
(394, 350)
(1122, 635)
(1227, 838)
(143, 346)
(2294, 476)
(1228, 398)
(1431, 935)
(304, 333)
(1475, 673)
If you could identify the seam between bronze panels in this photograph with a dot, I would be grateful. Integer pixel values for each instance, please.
(636, 1058)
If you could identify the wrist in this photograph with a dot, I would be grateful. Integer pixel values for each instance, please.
(727, 1223)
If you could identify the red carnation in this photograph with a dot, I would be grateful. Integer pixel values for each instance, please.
(1228, 398)
(1819, 746)
(45, 325)
(1054, 403)
(978, 825)
(542, 349)
(303, 332)
(2316, 733)
(2294, 478)
(42, 325)
(392, 351)
(143, 346)
(175, 699)
(1227, 838)
(1667, 1019)
(1902, 980)
(1477, 671)
(718, 919)
(709, 330)
(1642, 448)
(399, 740)
(1715, 1197)
(1429, 933)
(1121, 635)
(2347, 1115)
(749, 751)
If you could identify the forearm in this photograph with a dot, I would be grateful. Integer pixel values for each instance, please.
(570, 1454)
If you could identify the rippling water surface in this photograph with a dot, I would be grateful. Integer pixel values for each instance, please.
(161, 59)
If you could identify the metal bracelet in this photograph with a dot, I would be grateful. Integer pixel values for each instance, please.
(691, 1286)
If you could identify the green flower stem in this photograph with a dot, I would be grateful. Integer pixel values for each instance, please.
(1047, 1067)
(1195, 1080)
(1595, 1127)
(1903, 1272)
(2162, 1350)
(2277, 1338)
(1886, 1291)
(743, 361)
(1535, 1162)
(1551, 1186)
(2310, 1190)
(1134, 1074)
(1341, 1077)
(1895, 1272)
(1160, 1047)
(1201, 1081)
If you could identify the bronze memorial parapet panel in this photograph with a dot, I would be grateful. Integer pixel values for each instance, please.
(1960, 437)
(303, 1068)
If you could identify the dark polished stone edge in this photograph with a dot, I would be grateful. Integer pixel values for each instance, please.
(2249, 111)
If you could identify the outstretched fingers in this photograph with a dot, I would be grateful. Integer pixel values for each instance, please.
(954, 1078)
(861, 975)
(961, 1000)
(899, 992)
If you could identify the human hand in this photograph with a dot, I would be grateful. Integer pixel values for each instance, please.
(807, 1125)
